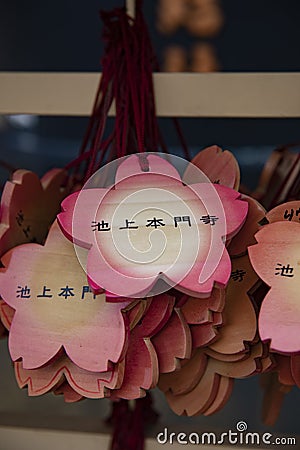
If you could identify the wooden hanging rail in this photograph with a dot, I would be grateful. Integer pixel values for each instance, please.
(244, 95)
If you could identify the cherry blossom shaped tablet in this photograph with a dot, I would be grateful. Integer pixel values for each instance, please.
(198, 312)
(187, 377)
(205, 334)
(276, 260)
(207, 391)
(197, 400)
(29, 207)
(219, 166)
(55, 308)
(173, 343)
(289, 211)
(239, 315)
(204, 317)
(83, 382)
(224, 392)
(141, 362)
(245, 237)
(79, 383)
(150, 226)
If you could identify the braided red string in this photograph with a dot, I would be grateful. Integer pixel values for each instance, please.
(127, 67)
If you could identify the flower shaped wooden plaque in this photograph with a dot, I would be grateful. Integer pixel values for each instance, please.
(219, 166)
(55, 308)
(276, 259)
(149, 226)
(29, 206)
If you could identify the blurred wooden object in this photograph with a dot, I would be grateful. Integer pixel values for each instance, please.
(202, 18)
(170, 15)
(204, 58)
(205, 18)
(175, 59)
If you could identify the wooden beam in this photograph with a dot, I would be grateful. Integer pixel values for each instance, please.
(248, 95)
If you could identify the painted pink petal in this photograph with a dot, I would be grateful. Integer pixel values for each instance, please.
(235, 209)
(222, 202)
(75, 225)
(219, 277)
(82, 349)
(37, 355)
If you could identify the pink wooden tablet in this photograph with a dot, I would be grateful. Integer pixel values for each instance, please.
(184, 380)
(56, 308)
(173, 343)
(141, 362)
(219, 166)
(245, 237)
(289, 212)
(83, 382)
(150, 226)
(239, 315)
(275, 258)
(29, 206)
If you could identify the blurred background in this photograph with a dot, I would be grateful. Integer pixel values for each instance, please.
(251, 36)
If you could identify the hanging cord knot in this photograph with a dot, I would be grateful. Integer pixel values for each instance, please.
(144, 163)
(127, 66)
